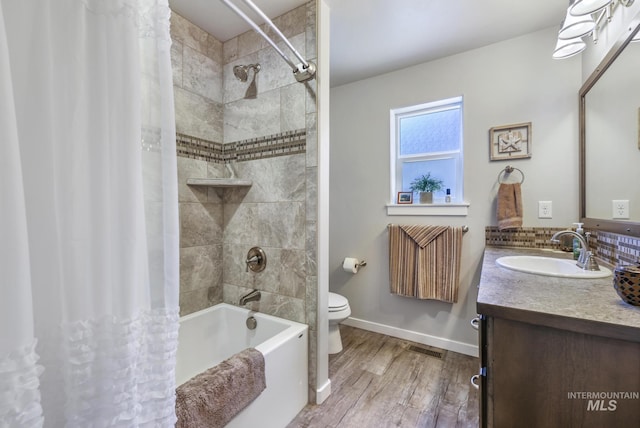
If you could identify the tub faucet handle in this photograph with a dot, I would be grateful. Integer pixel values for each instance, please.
(250, 260)
(256, 260)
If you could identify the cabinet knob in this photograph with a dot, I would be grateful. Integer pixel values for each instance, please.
(476, 378)
(474, 381)
(474, 322)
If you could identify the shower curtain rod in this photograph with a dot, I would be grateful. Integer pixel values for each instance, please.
(304, 71)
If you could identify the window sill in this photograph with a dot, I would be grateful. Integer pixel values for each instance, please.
(457, 209)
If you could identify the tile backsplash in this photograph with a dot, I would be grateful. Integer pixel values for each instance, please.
(615, 248)
(610, 247)
(524, 237)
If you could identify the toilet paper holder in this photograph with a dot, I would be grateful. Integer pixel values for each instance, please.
(361, 263)
(352, 264)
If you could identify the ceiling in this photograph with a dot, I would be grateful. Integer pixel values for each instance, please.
(372, 37)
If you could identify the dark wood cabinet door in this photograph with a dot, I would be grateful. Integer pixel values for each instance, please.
(544, 377)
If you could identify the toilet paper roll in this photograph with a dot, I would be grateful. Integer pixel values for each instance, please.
(351, 265)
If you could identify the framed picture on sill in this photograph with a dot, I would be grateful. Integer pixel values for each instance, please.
(405, 198)
(510, 141)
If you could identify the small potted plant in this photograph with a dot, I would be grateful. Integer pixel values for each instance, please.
(426, 185)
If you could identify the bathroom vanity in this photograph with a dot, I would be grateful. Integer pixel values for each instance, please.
(555, 351)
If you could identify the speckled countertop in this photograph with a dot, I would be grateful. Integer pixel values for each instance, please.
(589, 306)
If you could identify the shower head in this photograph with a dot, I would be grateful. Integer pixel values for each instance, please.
(242, 71)
(242, 74)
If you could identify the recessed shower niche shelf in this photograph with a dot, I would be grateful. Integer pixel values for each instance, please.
(219, 182)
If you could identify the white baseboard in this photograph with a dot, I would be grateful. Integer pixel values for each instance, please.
(323, 392)
(414, 336)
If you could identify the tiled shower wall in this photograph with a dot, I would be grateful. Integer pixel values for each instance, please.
(278, 211)
(196, 59)
(270, 140)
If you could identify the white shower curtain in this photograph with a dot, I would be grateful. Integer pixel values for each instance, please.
(88, 214)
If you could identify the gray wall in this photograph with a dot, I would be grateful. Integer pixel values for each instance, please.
(509, 82)
(607, 36)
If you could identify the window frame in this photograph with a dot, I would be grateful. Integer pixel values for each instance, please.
(397, 160)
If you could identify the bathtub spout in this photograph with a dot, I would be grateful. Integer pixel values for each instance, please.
(253, 296)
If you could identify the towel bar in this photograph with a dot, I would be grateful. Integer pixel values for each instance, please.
(508, 170)
(465, 228)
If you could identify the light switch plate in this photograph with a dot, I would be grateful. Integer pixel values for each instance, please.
(620, 208)
(545, 209)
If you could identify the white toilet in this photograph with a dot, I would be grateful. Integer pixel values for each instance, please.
(339, 311)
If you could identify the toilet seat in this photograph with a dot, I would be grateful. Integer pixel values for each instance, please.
(339, 311)
(337, 302)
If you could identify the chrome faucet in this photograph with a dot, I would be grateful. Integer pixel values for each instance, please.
(252, 296)
(586, 260)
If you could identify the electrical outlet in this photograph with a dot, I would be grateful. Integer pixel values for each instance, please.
(620, 208)
(544, 209)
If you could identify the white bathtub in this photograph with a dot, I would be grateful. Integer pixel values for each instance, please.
(214, 334)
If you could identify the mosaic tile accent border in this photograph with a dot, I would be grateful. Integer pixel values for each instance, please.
(287, 143)
(197, 148)
(282, 144)
(524, 237)
(612, 248)
(616, 249)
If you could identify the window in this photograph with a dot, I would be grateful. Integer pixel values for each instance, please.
(427, 138)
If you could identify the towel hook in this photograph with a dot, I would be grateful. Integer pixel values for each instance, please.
(508, 170)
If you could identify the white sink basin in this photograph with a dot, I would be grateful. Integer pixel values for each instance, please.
(550, 267)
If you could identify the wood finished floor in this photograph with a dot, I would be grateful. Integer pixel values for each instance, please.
(378, 381)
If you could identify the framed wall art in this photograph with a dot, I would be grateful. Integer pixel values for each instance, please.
(510, 141)
(405, 198)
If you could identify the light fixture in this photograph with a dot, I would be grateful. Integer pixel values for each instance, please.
(568, 48)
(576, 26)
(587, 7)
(584, 17)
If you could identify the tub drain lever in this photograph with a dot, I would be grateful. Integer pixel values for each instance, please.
(251, 323)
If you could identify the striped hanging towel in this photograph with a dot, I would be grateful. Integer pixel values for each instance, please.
(424, 261)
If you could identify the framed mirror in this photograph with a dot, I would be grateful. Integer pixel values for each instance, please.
(610, 140)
